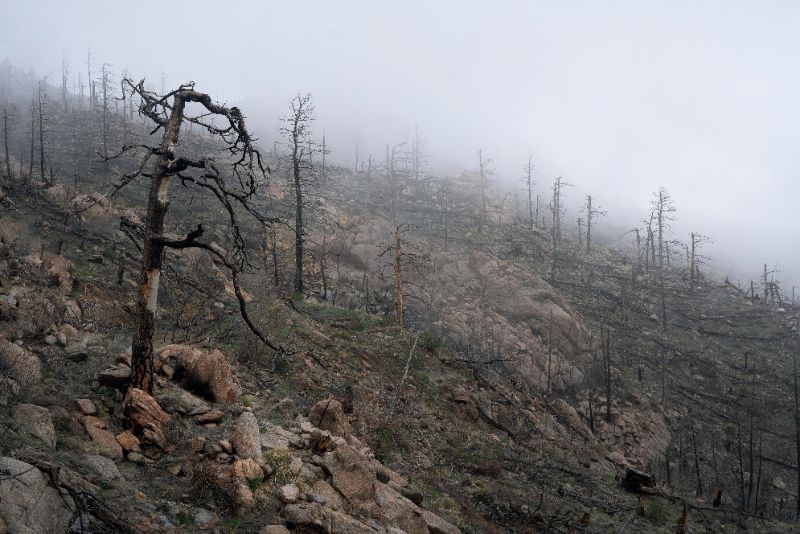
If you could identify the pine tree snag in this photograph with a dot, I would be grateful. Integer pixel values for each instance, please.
(796, 429)
(592, 212)
(157, 206)
(9, 174)
(529, 183)
(398, 273)
(484, 171)
(169, 113)
(297, 129)
(42, 109)
(33, 138)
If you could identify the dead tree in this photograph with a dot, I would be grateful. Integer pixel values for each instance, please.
(484, 171)
(7, 122)
(417, 157)
(696, 241)
(445, 207)
(323, 175)
(557, 214)
(556, 207)
(663, 208)
(605, 341)
(64, 76)
(393, 156)
(399, 389)
(42, 102)
(89, 80)
(33, 138)
(106, 92)
(403, 257)
(236, 192)
(592, 212)
(767, 282)
(796, 429)
(297, 127)
(697, 473)
(529, 183)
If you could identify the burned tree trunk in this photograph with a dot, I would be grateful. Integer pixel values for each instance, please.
(529, 186)
(297, 127)
(398, 274)
(42, 96)
(796, 430)
(157, 206)
(9, 175)
(33, 138)
(168, 112)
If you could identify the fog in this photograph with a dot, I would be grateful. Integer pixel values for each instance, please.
(618, 97)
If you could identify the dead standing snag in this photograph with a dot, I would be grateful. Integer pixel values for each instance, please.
(235, 193)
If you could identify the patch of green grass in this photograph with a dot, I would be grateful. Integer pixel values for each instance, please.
(657, 511)
(342, 318)
(437, 499)
(386, 444)
(184, 519)
(47, 375)
(279, 460)
(255, 484)
(234, 524)
(247, 401)
(431, 342)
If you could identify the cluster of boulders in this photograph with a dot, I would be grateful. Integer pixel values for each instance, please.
(315, 475)
(636, 433)
(325, 480)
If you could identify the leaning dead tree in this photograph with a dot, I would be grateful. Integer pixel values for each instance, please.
(236, 191)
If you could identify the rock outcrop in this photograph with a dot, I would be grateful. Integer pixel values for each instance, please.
(207, 373)
(246, 439)
(149, 420)
(37, 422)
(329, 415)
(18, 364)
(28, 503)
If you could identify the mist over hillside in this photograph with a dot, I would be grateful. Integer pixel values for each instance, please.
(618, 100)
(423, 269)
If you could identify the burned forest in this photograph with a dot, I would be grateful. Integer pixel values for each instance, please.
(340, 269)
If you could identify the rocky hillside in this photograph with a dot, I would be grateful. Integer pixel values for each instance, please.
(529, 388)
(329, 438)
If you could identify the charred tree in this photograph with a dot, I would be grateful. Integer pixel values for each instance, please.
(6, 127)
(529, 183)
(297, 127)
(169, 113)
(42, 110)
(696, 241)
(484, 171)
(402, 257)
(592, 212)
(663, 209)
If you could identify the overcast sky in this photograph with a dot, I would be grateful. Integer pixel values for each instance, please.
(618, 97)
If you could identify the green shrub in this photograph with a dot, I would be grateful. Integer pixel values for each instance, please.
(279, 460)
(657, 511)
(431, 342)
